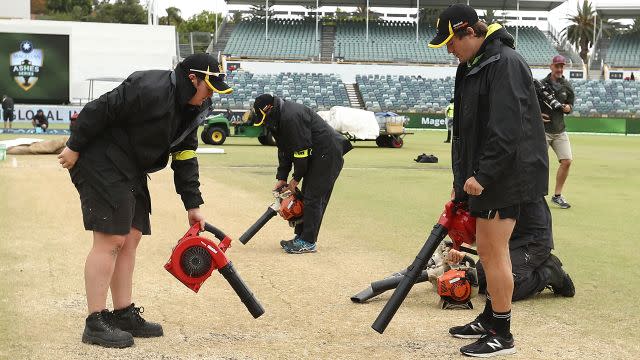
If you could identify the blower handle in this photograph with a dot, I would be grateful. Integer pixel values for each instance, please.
(437, 235)
(253, 229)
(215, 231)
(245, 295)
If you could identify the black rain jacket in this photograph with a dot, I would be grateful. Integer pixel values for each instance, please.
(139, 124)
(498, 135)
(301, 135)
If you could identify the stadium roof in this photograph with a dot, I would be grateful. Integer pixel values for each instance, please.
(623, 11)
(525, 5)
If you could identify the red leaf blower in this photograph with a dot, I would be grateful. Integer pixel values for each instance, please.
(455, 221)
(289, 205)
(195, 257)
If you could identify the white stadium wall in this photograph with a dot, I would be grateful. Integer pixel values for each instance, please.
(15, 9)
(104, 50)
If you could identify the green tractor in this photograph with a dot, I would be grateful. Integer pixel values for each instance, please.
(217, 128)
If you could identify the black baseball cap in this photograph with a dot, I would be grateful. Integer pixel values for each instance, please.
(261, 105)
(455, 17)
(212, 68)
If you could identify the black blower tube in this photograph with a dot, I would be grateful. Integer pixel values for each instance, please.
(378, 287)
(251, 231)
(389, 283)
(437, 235)
(250, 301)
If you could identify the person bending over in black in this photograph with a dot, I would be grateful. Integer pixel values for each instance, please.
(314, 150)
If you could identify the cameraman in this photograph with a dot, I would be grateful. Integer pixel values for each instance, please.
(554, 126)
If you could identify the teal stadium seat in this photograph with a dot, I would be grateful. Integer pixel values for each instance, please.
(624, 51)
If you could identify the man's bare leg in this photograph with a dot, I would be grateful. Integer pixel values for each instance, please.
(492, 237)
(562, 174)
(122, 279)
(98, 268)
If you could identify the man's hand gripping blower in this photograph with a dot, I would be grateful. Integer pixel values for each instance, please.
(289, 205)
(195, 257)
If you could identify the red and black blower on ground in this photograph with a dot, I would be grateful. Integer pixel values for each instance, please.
(195, 257)
(454, 221)
(288, 204)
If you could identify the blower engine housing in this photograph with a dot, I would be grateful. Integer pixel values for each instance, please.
(455, 288)
(194, 258)
(291, 207)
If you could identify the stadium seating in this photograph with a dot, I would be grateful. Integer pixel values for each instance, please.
(409, 93)
(405, 93)
(533, 45)
(318, 91)
(612, 98)
(413, 94)
(391, 41)
(624, 51)
(288, 39)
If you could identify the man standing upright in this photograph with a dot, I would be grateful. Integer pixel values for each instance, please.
(448, 118)
(499, 158)
(7, 110)
(554, 126)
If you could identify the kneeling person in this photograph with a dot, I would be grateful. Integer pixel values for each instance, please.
(314, 150)
(533, 266)
(40, 120)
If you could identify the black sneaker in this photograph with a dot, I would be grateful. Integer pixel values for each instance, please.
(99, 330)
(490, 345)
(299, 246)
(559, 281)
(560, 201)
(286, 243)
(473, 330)
(129, 320)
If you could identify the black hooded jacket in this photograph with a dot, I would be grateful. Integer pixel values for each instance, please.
(139, 124)
(498, 134)
(302, 135)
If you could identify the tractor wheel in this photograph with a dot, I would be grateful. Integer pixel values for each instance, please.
(381, 140)
(267, 139)
(217, 135)
(396, 142)
(205, 135)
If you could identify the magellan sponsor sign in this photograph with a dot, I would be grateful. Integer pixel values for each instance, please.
(429, 121)
(425, 121)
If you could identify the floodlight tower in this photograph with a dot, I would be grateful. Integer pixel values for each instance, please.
(152, 12)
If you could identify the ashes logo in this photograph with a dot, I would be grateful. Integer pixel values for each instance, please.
(26, 65)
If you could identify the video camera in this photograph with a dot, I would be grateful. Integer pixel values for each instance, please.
(545, 96)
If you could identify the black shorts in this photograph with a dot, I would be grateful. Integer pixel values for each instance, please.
(7, 115)
(509, 212)
(125, 204)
